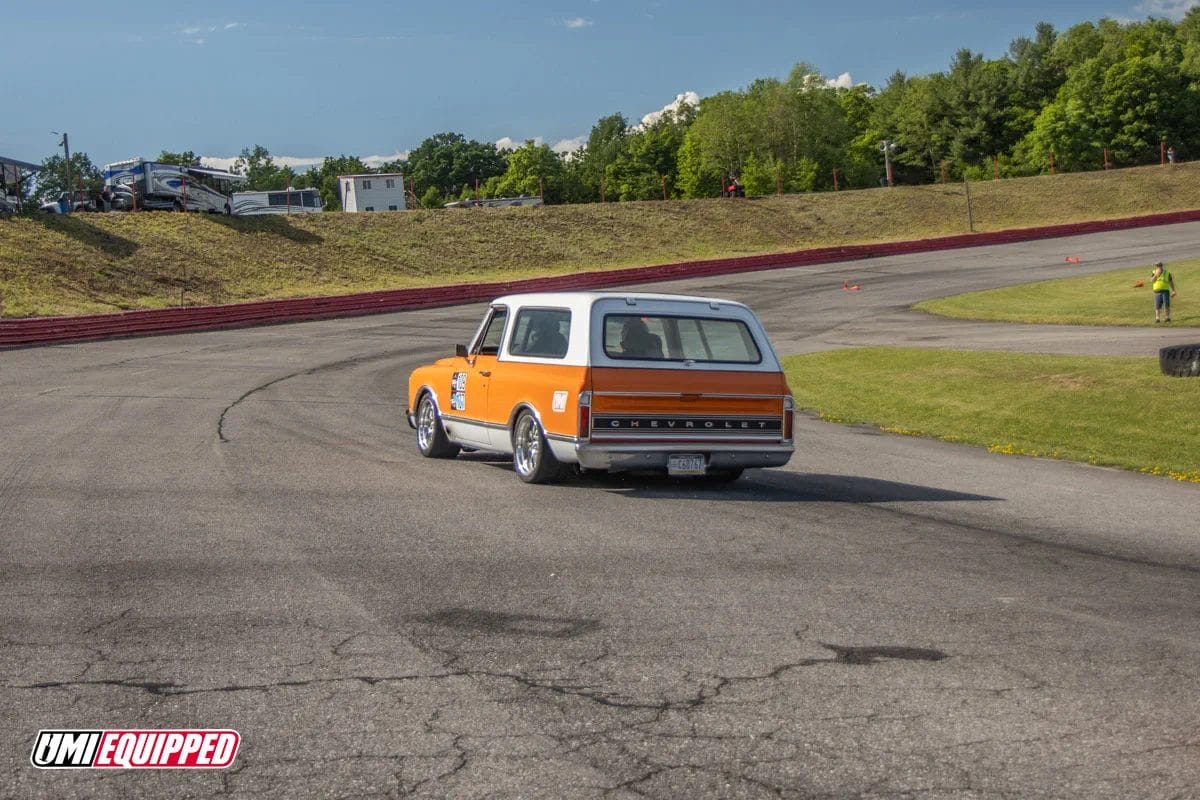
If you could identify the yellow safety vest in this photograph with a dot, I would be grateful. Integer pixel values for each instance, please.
(1163, 282)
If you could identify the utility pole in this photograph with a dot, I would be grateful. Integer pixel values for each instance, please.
(66, 146)
(888, 147)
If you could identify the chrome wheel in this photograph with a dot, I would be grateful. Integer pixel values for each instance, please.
(532, 458)
(431, 436)
(426, 424)
(527, 446)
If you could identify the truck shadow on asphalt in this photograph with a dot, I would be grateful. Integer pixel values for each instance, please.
(757, 485)
(778, 487)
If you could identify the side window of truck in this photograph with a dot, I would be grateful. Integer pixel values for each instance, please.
(541, 332)
(489, 343)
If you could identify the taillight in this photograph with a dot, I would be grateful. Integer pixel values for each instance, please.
(585, 415)
(789, 411)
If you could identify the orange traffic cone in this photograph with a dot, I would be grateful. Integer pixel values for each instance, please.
(1139, 284)
(1072, 259)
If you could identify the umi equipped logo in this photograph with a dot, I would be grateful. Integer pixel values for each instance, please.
(134, 749)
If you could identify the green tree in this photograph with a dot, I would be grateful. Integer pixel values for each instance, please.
(607, 141)
(716, 143)
(325, 178)
(975, 93)
(530, 167)
(922, 124)
(262, 174)
(52, 180)
(451, 163)
(1034, 79)
(185, 158)
(1144, 101)
(649, 160)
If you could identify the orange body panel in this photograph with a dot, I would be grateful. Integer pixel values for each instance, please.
(518, 384)
(494, 390)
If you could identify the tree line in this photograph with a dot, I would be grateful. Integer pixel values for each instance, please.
(1097, 94)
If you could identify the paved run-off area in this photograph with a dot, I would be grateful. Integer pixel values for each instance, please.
(234, 530)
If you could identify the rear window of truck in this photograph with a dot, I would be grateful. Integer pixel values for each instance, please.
(661, 337)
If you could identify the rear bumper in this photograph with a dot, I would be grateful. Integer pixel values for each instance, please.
(629, 457)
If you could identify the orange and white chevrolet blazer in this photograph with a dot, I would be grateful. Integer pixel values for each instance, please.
(609, 381)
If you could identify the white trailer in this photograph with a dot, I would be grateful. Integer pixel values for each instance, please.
(283, 201)
(167, 187)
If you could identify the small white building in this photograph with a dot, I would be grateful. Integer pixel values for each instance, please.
(374, 192)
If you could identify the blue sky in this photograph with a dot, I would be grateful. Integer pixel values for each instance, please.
(372, 78)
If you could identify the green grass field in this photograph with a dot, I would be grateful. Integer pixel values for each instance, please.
(1111, 411)
(1108, 298)
(90, 263)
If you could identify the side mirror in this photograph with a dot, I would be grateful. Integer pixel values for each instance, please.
(460, 350)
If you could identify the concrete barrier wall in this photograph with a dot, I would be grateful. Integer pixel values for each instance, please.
(49, 330)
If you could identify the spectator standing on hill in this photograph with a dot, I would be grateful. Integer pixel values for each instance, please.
(1164, 290)
(1171, 154)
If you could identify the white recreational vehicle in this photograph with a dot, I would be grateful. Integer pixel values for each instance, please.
(172, 188)
(283, 201)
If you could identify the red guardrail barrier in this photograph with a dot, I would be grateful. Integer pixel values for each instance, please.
(47, 330)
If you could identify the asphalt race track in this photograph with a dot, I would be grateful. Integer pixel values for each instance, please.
(234, 529)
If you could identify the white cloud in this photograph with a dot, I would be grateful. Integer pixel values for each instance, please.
(1171, 9)
(843, 81)
(578, 22)
(192, 30)
(675, 106)
(217, 162)
(568, 146)
(378, 161)
(508, 143)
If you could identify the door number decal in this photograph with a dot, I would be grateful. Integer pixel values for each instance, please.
(458, 392)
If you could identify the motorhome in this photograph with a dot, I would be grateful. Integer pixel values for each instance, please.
(168, 187)
(283, 201)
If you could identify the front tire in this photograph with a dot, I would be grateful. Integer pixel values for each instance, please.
(432, 441)
(532, 459)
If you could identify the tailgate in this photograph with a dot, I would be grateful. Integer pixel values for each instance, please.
(690, 406)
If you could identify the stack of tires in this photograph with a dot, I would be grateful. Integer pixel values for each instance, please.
(1180, 360)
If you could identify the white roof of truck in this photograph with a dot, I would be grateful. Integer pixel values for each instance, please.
(582, 300)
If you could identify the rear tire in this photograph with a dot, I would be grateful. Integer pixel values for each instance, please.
(432, 441)
(1180, 360)
(532, 459)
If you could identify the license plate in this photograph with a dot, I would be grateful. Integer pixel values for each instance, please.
(685, 464)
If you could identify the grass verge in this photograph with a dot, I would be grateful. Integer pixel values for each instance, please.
(90, 263)
(1107, 298)
(1102, 410)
